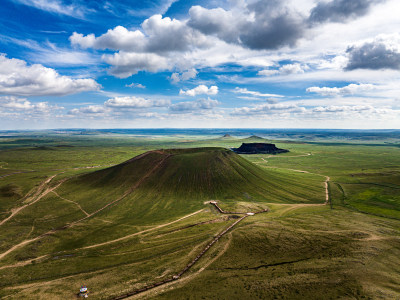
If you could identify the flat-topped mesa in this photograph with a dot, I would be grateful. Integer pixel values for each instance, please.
(255, 148)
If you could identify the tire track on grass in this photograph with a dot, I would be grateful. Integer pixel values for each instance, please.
(140, 232)
(192, 262)
(39, 194)
(183, 271)
(76, 203)
(13, 173)
(132, 189)
(326, 182)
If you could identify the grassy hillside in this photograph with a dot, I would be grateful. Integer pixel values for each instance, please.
(193, 174)
(143, 220)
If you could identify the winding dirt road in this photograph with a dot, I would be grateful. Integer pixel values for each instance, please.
(326, 182)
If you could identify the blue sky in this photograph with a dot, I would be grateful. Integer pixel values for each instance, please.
(207, 64)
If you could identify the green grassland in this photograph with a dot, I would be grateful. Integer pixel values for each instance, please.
(157, 219)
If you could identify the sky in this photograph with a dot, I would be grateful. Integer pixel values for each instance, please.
(199, 64)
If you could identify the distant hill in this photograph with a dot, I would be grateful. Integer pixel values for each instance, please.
(254, 137)
(254, 148)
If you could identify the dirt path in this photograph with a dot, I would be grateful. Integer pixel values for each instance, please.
(29, 285)
(291, 207)
(191, 263)
(39, 194)
(32, 229)
(327, 189)
(300, 205)
(184, 270)
(220, 210)
(64, 170)
(15, 247)
(218, 220)
(153, 292)
(157, 284)
(81, 168)
(76, 203)
(24, 263)
(326, 182)
(370, 236)
(296, 206)
(327, 179)
(45, 283)
(41, 191)
(140, 232)
(275, 156)
(128, 192)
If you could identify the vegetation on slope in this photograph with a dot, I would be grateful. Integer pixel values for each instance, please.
(193, 174)
(297, 250)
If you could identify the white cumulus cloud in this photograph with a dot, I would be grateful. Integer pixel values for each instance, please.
(346, 90)
(135, 102)
(199, 90)
(189, 106)
(157, 35)
(89, 110)
(126, 64)
(266, 109)
(135, 85)
(12, 103)
(343, 109)
(189, 74)
(18, 78)
(284, 70)
(245, 91)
